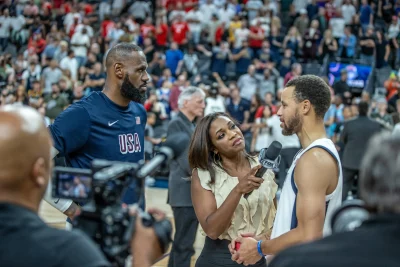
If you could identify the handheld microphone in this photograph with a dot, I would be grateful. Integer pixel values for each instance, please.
(269, 159)
(172, 148)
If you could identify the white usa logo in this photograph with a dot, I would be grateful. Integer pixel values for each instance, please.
(137, 120)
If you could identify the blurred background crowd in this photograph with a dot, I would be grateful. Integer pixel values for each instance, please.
(241, 53)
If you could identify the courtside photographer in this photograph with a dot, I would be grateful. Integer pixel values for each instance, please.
(25, 171)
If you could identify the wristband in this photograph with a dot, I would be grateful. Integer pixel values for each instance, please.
(259, 248)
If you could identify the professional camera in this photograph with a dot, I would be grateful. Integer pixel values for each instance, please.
(103, 218)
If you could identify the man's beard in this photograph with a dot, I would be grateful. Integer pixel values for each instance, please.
(293, 125)
(128, 90)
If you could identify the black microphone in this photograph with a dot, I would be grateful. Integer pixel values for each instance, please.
(172, 148)
(269, 159)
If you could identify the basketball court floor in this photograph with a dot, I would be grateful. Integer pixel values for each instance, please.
(155, 197)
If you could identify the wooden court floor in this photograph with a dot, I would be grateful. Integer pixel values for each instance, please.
(155, 197)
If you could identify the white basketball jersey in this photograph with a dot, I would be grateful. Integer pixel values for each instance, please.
(286, 219)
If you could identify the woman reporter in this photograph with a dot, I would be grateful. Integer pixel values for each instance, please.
(222, 172)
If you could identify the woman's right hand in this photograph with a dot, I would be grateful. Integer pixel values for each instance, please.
(249, 182)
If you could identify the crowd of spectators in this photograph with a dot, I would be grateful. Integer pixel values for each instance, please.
(241, 53)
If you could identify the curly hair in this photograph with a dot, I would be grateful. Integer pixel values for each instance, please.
(313, 89)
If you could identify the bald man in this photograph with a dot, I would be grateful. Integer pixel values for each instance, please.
(106, 125)
(25, 240)
(25, 167)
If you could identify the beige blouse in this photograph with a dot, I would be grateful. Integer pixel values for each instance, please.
(255, 214)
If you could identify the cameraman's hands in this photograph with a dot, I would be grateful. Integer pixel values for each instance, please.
(145, 247)
(249, 182)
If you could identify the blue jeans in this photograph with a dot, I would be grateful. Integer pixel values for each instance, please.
(81, 61)
(367, 60)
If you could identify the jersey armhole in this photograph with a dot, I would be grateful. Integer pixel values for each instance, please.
(294, 221)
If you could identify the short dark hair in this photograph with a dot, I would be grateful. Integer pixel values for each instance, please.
(363, 108)
(120, 52)
(201, 153)
(379, 174)
(314, 89)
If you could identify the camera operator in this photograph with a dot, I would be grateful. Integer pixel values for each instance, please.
(25, 167)
(376, 241)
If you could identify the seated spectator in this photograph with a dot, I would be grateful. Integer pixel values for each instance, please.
(295, 72)
(243, 57)
(286, 62)
(380, 113)
(214, 101)
(262, 136)
(55, 102)
(96, 80)
(248, 83)
(265, 55)
(293, 41)
(267, 82)
(311, 40)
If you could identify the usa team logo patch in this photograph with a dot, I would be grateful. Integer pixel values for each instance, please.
(137, 120)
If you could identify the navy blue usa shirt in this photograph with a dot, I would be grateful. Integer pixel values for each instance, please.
(97, 128)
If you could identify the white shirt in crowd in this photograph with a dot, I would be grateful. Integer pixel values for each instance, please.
(214, 105)
(226, 16)
(291, 141)
(89, 29)
(5, 24)
(17, 23)
(83, 40)
(50, 76)
(72, 65)
(253, 6)
(348, 11)
(264, 137)
(240, 36)
(337, 25)
(247, 85)
(195, 15)
(208, 11)
(139, 9)
(69, 20)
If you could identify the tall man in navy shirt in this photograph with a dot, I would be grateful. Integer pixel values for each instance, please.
(108, 124)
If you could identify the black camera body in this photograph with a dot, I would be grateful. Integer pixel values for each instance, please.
(99, 191)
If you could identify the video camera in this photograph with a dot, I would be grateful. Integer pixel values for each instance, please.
(103, 218)
(99, 191)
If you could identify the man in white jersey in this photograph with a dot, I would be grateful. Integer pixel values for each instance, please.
(313, 186)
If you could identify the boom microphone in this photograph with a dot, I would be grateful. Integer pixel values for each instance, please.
(269, 159)
(172, 148)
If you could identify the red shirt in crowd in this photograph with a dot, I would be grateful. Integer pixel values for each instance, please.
(67, 8)
(189, 4)
(47, 5)
(179, 30)
(162, 34)
(38, 45)
(257, 43)
(218, 34)
(106, 25)
(145, 29)
(88, 9)
(58, 3)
